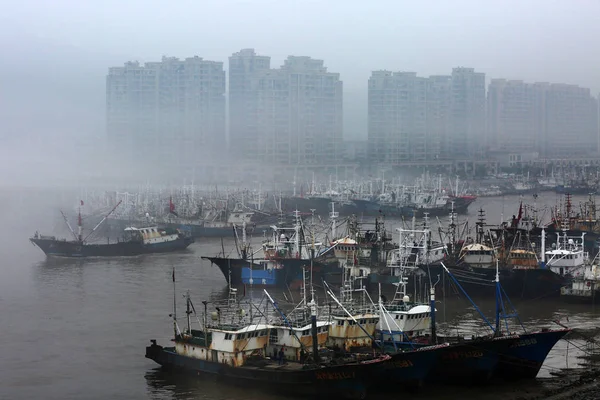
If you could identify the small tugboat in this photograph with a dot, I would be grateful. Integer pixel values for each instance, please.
(239, 349)
(135, 241)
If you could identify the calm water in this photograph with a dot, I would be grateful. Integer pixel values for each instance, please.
(78, 329)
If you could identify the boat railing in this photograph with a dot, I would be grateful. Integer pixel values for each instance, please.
(396, 307)
(45, 237)
(352, 308)
(297, 318)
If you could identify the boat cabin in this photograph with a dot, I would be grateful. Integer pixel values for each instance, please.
(227, 346)
(261, 272)
(568, 258)
(565, 262)
(286, 338)
(347, 252)
(585, 286)
(404, 320)
(478, 255)
(152, 234)
(522, 259)
(347, 333)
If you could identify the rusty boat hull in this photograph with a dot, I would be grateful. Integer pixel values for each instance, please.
(344, 380)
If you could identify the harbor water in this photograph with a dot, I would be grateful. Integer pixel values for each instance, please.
(77, 329)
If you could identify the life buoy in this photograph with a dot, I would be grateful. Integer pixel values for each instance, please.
(297, 255)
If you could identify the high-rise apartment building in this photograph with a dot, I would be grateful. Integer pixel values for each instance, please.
(468, 132)
(397, 117)
(415, 119)
(409, 117)
(244, 134)
(172, 110)
(286, 116)
(439, 114)
(513, 116)
(554, 120)
(571, 121)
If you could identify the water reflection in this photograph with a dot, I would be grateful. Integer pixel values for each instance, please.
(163, 384)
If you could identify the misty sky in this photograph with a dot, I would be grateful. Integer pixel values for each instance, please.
(56, 53)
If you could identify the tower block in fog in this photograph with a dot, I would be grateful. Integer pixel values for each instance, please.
(409, 117)
(168, 116)
(290, 116)
(468, 133)
(548, 119)
(425, 120)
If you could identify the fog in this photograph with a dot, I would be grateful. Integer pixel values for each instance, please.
(56, 54)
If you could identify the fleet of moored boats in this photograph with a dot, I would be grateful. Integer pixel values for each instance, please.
(351, 344)
(346, 348)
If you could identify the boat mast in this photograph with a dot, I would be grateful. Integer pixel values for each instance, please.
(333, 215)
(188, 312)
(314, 333)
(432, 311)
(294, 183)
(79, 223)
(68, 225)
(297, 233)
(174, 315)
(103, 219)
(244, 232)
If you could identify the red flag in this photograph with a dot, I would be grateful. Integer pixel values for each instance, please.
(171, 205)
(520, 212)
(81, 202)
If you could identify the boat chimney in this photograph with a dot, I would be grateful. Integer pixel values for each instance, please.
(313, 322)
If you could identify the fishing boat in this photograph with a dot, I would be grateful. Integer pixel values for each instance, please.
(238, 350)
(523, 268)
(354, 328)
(212, 223)
(481, 253)
(568, 256)
(518, 355)
(417, 255)
(285, 256)
(134, 241)
(583, 288)
(502, 354)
